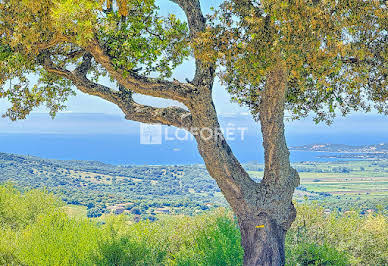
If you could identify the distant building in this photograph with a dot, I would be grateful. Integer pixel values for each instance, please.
(118, 210)
(162, 210)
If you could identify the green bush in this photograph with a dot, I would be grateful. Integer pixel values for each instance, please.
(219, 244)
(8, 247)
(211, 239)
(17, 209)
(363, 237)
(55, 239)
(124, 251)
(122, 243)
(313, 254)
(34, 230)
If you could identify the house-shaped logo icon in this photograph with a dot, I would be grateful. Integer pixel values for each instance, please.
(150, 134)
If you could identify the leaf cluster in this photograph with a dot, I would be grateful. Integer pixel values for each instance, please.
(335, 53)
(132, 33)
(144, 39)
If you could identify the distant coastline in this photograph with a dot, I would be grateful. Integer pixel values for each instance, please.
(342, 151)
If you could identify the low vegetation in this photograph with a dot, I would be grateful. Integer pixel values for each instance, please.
(146, 191)
(37, 229)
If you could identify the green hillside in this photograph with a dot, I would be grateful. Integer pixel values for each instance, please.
(35, 229)
(149, 191)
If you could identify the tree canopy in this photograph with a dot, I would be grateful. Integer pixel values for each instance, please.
(302, 55)
(58, 32)
(335, 53)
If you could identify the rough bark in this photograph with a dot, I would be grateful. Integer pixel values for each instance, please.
(173, 90)
(171, 116)
(222, 165)
(264, 210)
(263, 240)
(263, 231)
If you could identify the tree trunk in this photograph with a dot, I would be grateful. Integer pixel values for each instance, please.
(263, 237)
(264, 210)
(262, 240)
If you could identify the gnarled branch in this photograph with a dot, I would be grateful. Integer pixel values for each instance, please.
(171, 116)
(143, 85)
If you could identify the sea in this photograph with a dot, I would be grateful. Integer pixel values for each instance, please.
(113, 140)
(127, 150)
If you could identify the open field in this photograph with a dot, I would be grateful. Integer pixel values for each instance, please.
(358, 177)
(145, 192)
(343, 183)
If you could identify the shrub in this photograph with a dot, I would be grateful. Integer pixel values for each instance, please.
(34, 230)
(17, 209)
(210, 239)
(363, 237)
(219, 244)
(8, 247)
(123, 244)
(123, 250)
(313, 254)
(56, 239)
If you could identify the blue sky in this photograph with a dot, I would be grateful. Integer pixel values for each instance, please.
(83, 103)
(88, 127)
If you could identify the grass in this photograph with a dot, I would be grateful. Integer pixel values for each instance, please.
(75, 211)
(365, 178)
(37, 230)
(366, 183)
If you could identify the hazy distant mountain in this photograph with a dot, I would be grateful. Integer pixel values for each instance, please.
(342, 148)
(101, 123)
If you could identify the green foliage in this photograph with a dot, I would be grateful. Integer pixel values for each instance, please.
(362, 237)
(26, 28)
(335, 52)
(61, 31)
(18, 210)
(144, 39)
(137, 244)
(52, 238)
(8, 247)
(312, 254)
(55, 239)
(175, 240)
(222, 238)
(123, 251)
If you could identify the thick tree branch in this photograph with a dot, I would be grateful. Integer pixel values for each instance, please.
(143, 85)
(204, 73)
(195, 19)
(171, 116)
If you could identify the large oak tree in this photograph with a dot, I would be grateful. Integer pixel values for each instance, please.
(296, 55)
